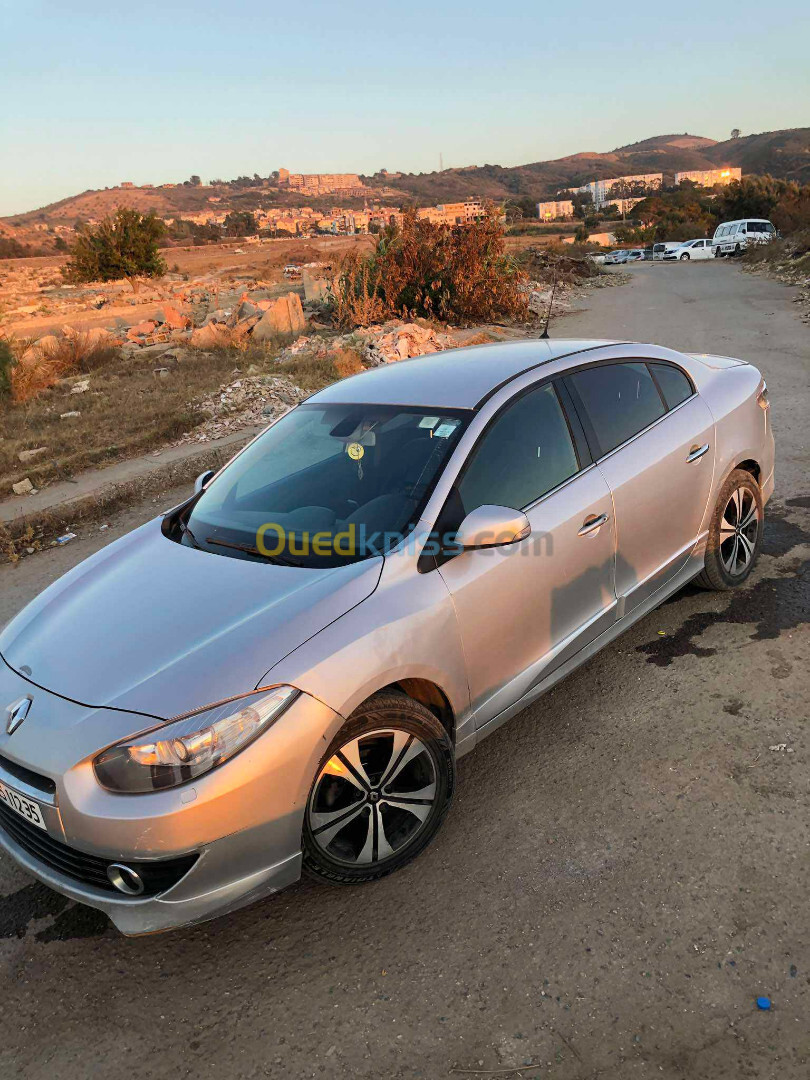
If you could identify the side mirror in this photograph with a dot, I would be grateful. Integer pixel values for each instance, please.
(492, 526)
(202, 480)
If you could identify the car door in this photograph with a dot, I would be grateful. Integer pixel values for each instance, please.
(523, 609)
(700, 249)
(653, 438)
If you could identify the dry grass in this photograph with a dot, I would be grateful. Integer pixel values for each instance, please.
(125, 411)
(128, 411)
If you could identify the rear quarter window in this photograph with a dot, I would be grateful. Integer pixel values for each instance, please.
(672, 382)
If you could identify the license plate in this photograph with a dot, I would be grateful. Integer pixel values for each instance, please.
(26, 808)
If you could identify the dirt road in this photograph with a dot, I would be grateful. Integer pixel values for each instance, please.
(625, 869)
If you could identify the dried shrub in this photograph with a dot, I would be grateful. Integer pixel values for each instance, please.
(7, 362)
(42, 363)
(451, 273)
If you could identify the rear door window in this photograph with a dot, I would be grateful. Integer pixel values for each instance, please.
(616, 401)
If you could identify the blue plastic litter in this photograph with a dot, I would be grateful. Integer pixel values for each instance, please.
(763, 1003)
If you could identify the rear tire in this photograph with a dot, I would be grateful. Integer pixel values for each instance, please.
(735, 534)
(380, 794)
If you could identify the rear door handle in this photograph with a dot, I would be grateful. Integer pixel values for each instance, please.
(697, 452)
(591, 524)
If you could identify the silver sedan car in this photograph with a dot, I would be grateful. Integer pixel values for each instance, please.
(281, 673)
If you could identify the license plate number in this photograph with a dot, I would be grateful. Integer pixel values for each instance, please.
(26, 808)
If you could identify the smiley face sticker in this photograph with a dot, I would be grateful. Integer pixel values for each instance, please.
(355, 451)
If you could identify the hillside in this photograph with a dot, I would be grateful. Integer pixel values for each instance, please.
(784, 154)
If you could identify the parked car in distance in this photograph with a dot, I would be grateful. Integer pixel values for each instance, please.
(596, 256)
(690, 249)
(733, 237)
(281, 672)
(623, 255)
(660, 249)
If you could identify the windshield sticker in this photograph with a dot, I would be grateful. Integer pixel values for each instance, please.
(429, 421)
(446, 429)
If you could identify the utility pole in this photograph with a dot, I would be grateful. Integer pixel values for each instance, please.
(441, 162)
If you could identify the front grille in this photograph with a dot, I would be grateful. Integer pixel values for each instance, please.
(157, 876)
(33, 779)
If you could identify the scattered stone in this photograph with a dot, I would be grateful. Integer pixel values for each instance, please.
(141, 329)
(23, 487)
(160, 373)
(80, 387)
(29, 455)
(175, 319)
(210, 336)
(284, 316)
(69, 415)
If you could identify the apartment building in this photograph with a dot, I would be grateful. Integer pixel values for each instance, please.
(709, 177)
(313, 184)
(459, 213)
(556, 210)
(600, 189)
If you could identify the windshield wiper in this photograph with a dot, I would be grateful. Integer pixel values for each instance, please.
(279, 560)
(186, 531)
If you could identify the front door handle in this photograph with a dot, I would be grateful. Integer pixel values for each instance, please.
(591, 524)
(697, 452)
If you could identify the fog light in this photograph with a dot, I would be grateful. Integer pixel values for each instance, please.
(125, 879)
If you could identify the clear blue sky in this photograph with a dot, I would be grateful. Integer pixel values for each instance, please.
(96, 93)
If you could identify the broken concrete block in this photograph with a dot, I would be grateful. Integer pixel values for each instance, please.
(29, 455)
(160, 373)
(316, 286)
(24, 487)
(284, 316)
(69, 415)
(141, 329)
(213, 334)
(174, 319)
(80, 387)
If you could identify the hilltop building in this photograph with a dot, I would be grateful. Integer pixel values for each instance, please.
(600, 189)
(314, 184)
(709, 177)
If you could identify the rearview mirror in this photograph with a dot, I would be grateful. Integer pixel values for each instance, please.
(492, 526)
(202, 480)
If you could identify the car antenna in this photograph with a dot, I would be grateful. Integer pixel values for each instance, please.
(550, 304)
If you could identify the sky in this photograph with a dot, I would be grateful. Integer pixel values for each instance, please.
(96, 93)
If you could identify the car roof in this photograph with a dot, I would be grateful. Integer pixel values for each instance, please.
(455, 379)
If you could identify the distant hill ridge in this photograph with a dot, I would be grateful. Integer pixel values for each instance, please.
(784, 153)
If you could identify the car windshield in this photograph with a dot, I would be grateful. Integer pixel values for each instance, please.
(325, 485)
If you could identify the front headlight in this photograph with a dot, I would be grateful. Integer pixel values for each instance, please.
(180, 750)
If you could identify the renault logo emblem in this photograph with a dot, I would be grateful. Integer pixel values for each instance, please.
(16, 713)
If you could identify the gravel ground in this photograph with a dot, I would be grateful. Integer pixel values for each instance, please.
(624, 871)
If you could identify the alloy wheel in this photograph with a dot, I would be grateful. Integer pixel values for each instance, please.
(739, 528)
(373, 796)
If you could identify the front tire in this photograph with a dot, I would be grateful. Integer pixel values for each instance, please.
(735, 533)
(380, 794)
(737, 250)
(685, 256)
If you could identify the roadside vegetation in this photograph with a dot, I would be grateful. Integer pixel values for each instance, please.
(430, 271)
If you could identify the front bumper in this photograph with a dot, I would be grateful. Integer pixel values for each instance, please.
(243, 820)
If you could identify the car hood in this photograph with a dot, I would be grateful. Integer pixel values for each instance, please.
(150, 626)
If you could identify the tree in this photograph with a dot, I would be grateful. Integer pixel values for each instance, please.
(60, 244)
(753, 196)
(735, 133)
(124, 245)
(581, 235)
(240, 223)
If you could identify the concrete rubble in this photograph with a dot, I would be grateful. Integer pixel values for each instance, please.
(249, 399)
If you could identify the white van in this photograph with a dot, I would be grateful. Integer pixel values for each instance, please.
(732, 237)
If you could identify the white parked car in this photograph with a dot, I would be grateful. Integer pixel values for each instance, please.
(660, 250)
(596, 256)
(732, 237)
(690, 249)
